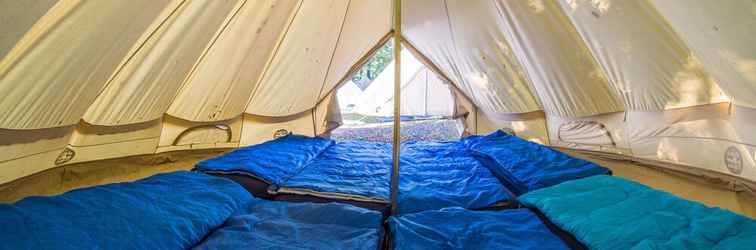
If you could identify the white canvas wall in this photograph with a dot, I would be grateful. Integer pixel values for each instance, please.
(667, 78)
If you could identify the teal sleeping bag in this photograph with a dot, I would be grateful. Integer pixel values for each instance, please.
(605, 212)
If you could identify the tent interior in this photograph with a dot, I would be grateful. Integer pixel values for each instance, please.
(661, 92)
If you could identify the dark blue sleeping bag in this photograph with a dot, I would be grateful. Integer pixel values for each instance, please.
(525, 166)
(356, 170)
(457, 228)
(272, 161)
(284, 225)
(165, 211)
(434, 175)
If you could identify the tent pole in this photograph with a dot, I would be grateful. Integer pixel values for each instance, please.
(397, 104)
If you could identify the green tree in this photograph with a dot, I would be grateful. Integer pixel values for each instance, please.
(363, 77)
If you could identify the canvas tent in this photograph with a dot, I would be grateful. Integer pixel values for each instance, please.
(666, 82)
(423, 93)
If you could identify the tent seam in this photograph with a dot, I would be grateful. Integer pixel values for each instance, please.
(272, 57)
(333, 52)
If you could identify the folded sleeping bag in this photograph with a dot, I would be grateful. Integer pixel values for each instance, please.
(434, 175)
(165, 211)
(525, 166)
(352, 170)
(457, 228)
(605, 212)
(285, 225)
(272, 161)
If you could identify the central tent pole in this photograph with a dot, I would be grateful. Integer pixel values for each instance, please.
(397, 103)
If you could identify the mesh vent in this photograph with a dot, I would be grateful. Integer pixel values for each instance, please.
(65, 156)
(280, 133)
(733, 160)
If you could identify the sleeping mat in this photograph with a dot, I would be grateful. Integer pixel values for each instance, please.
(284, 225)
(166, 211)
(457, 228)
(525, 166)
(606, 212)
(272, 161)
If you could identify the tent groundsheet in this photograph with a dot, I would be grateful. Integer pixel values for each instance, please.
(606, 212)
(166, 211)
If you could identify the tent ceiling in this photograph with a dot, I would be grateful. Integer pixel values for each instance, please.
(197, 60)
(488, 72)
(646, 63)
(58, 68)
(118, 63)
(322, 46)
(224, 78)
(17, 18)
(723, 35)
(142, 90)
(301, 62)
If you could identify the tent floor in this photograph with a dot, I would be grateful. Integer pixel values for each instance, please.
(58, 180)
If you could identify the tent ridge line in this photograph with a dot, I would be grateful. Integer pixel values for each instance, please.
(134, 52)
(519, 61)
(360, 62)
(38, 31)
(272, 57)
(454, 46)
(333, 51)
(432, 66)
(205, 51)
(583, 43)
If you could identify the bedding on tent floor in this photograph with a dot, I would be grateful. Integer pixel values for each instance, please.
(606, 212)
(273, 225)
(165, 211)
(180, 210)
(283, 158)
(183, 209)
(525, 166)
(465, 173)
(434, 176)
(458, 228)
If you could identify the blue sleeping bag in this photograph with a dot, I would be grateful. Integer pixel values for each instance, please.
(525, 166)
(272, 161)
(606, 212)
(356, 170)
(283, 225)
(165, 211)
(457, 228)
(434, 175)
